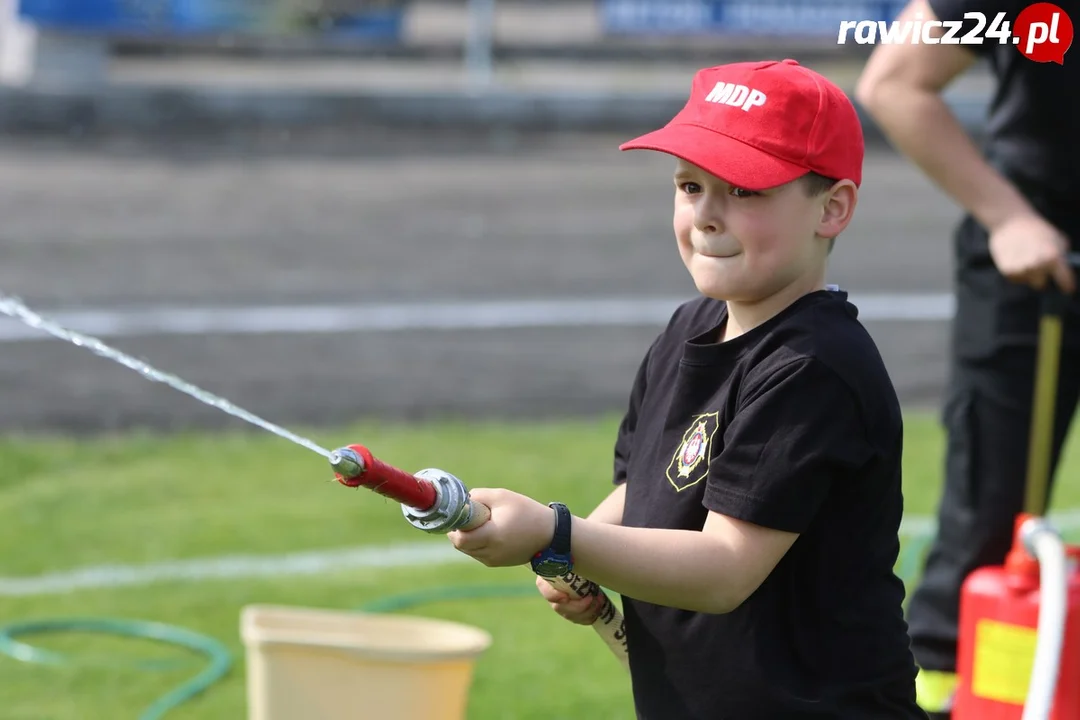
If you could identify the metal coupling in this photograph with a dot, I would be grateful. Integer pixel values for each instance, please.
(452, 508)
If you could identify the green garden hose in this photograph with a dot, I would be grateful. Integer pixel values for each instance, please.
(219, 657)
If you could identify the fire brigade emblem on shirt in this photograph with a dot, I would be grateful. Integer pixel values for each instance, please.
(690, 464)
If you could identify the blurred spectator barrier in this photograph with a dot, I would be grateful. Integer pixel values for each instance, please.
(71, 37)
(762, 18)
(370, 19)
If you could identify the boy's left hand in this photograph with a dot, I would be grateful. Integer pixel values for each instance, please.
(519, 527)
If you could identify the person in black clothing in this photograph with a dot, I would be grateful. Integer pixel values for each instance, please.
(753, 529)
(1022, 217)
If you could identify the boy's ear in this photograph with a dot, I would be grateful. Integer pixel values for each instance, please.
(838, 208)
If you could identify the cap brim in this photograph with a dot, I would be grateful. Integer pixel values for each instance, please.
(729, 159)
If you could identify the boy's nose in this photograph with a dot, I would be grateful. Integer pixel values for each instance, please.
(707, 224)
(707, 218)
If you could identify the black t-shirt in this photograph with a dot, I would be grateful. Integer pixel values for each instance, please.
(794, 425)
(1035, 110)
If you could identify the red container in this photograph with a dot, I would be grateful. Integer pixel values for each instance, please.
(999, 615)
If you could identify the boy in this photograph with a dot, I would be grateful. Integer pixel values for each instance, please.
(753, 529)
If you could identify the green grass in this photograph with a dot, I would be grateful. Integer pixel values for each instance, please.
(65, 504)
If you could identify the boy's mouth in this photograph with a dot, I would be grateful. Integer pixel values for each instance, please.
(721, 249)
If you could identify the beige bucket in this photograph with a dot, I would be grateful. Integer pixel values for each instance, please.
(311, 664)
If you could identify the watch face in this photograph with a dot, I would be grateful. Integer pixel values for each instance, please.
(551, 568)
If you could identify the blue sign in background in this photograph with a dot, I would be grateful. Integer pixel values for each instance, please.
(200, 16)
(743, 17)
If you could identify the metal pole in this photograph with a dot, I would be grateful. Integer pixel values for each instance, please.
(479, 42)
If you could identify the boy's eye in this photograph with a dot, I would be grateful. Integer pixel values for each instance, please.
(693, 188)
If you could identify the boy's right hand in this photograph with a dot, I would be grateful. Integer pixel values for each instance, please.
(582, 611)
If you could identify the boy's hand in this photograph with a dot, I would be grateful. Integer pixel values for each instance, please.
(519, 527)
(1029, 250)
(582, 611)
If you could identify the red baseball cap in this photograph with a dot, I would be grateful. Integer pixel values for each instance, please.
(757, 125)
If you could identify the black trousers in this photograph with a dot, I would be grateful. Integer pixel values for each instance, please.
(987, 416)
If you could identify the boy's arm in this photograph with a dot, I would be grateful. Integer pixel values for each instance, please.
(610, 509)
(901, 87)
(711, 571)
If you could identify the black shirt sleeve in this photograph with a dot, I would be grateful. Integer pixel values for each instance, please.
(797, 431)
(625, 438)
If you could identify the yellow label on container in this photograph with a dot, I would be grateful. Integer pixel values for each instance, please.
(1004, 657)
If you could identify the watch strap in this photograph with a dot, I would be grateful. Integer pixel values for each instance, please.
(560, 541)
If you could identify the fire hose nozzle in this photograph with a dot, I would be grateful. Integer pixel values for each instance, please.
(432, 500)
(347, 463)
(452, 508)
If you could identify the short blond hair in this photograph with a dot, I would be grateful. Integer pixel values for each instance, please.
(815, 184)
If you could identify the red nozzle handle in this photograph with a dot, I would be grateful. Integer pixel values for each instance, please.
(386, 480)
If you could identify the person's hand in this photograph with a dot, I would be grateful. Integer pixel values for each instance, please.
(582, 611)
(519, 527)
(1031, 251)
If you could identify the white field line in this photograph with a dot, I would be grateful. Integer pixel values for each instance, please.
(227, 567)
(428, 315)
(317, 562)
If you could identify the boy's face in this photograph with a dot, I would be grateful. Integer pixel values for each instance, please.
(745, 246)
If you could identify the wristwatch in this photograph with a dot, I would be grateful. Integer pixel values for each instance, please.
(556, 560)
